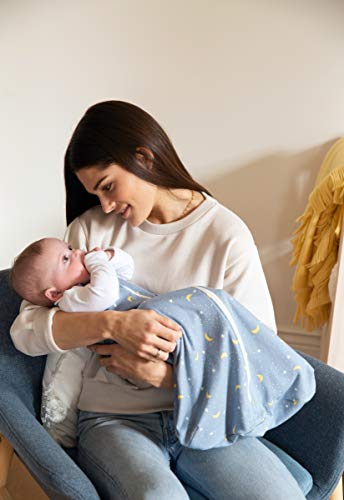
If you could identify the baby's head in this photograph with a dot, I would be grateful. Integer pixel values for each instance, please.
(47, 268)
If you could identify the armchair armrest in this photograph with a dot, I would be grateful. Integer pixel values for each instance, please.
(57, 474)
(315, 436)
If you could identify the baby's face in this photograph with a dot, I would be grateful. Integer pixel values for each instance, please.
(65, 265)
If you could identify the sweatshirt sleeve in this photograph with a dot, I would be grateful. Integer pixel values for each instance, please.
(31, 331)
(245, 280)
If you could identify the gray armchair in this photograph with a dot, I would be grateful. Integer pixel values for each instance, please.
(311, 444)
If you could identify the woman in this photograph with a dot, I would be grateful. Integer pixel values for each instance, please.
(179, 236)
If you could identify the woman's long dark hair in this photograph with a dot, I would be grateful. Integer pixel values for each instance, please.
(110, 132)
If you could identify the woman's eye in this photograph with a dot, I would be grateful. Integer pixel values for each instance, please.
(107, 187)
(65, 258)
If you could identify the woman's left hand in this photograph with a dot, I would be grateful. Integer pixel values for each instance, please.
(127, 365)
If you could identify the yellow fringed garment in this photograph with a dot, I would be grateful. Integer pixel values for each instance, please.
(316, 241)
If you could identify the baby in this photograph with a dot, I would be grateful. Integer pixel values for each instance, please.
(49, 272)
(233, 375)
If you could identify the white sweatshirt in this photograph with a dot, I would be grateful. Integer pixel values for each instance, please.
(211, 247)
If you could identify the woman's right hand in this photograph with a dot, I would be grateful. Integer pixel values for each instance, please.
(143, 332)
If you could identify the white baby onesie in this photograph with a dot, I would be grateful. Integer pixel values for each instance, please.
(62, 379)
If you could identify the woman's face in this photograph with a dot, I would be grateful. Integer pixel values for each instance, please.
(120, 191)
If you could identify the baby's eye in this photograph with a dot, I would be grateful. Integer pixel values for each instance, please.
(107, 187)
(70, 247)
(65, 258)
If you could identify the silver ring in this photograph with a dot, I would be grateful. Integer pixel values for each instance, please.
(157, 353)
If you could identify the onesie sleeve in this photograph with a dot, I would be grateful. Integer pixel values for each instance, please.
(245, 280)
(123, 263)
(31, 331)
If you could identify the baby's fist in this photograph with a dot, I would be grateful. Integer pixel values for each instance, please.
(110, 253)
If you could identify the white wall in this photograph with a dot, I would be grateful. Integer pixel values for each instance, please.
(251, 93)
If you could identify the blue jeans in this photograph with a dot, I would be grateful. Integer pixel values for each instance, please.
(137, 457)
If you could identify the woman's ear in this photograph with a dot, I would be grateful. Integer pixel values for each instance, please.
(52, 294)
(145, 157)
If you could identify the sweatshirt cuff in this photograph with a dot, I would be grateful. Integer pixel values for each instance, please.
(43, 327)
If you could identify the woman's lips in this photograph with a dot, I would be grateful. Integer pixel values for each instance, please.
(126, 212)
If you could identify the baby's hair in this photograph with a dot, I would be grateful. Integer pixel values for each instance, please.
(26, 274)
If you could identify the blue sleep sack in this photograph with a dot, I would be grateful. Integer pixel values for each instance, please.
(233, 376)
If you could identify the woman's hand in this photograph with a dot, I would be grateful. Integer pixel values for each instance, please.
(127, 365)
(144, 333)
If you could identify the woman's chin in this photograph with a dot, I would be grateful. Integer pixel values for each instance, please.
(134, 223)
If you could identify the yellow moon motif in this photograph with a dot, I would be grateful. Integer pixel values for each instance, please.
(270, 403)
(130, 299)
(294, 402)
(237, 387)
(180, 396)
(256, 330)
(189, 295)
(197, 356)
(209, 339)
(260, 377)
(235, 342)
(174, 385)
(224, 355)
(233, 430)
(207, 395)
(297, 367)
(217, 414)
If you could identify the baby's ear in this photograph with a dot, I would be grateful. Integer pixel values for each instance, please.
(52, 294)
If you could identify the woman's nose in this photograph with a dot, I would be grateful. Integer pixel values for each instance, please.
(108, 206)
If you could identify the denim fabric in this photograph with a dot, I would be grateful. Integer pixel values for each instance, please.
(139, 456)
(302, 476)
(314, 437)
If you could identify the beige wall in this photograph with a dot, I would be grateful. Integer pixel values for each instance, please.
(251, 92)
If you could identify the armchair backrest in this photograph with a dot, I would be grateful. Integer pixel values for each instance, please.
(22, 373)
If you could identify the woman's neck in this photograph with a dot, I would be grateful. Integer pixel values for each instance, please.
(174, 204)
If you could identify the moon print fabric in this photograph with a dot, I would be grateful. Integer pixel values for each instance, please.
(233, 376)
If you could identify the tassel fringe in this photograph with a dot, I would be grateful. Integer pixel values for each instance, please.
(315, 245)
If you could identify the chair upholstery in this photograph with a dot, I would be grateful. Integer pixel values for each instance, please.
(314, 436)
(20, 396)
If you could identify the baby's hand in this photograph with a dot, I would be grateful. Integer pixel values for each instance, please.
(95, 249)
(110, 252)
